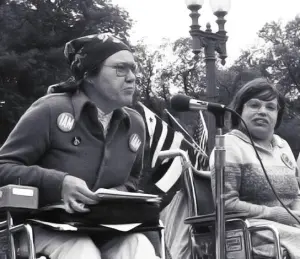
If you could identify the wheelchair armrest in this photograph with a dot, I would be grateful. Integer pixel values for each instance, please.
(209, 219)
(275, 233)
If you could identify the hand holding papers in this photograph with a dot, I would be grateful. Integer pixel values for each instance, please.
(107, 195)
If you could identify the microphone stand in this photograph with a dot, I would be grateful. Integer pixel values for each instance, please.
(219, 184)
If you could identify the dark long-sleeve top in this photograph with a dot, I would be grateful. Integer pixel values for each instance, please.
(60, 134)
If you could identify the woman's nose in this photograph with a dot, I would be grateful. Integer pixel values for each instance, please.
(130, 76)
(263, 109)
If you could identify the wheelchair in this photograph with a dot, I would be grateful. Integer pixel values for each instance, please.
(201, 221)
(17, 219)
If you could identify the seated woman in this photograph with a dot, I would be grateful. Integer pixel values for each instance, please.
(70, 144)
(246, 187)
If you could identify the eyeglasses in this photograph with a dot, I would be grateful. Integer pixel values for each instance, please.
(255, 105)
(123, 69)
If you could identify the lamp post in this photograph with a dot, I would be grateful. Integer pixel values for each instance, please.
(211, 42)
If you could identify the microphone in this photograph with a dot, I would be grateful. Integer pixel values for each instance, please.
(183, 103)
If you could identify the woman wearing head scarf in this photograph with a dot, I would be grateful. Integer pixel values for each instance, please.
(246, 187)
(70, 144)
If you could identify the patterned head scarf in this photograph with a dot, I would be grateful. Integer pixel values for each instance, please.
(86, 53)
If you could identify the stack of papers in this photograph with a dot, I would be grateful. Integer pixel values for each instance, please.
(70, 227)
(110, 194)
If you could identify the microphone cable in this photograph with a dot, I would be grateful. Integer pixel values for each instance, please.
(182, 102)
(262, 166)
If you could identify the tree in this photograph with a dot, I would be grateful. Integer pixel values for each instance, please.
(189, 74)
(279, 59)
(146, 81)
(32, 38)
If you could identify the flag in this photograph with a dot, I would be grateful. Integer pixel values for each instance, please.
(200, 149)
(201, 136)
(175, 125)
(160, 136)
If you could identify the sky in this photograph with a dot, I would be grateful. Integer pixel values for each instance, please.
(158, 19)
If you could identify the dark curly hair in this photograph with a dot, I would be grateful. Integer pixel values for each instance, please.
(259, 88)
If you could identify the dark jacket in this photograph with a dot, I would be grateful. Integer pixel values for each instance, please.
(39, 153)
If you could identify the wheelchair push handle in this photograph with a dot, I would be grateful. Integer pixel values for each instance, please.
(165, 154)
(173, 153)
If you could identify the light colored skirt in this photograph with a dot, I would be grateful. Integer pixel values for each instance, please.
(69, 245)
(176, 232)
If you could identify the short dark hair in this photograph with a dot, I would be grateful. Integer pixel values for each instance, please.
(259, 88)
(73, 84)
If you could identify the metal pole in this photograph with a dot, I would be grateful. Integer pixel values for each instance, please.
(211, 92)
(219, 195)
(213, 42)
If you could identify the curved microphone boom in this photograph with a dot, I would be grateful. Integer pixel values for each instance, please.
(184, 103)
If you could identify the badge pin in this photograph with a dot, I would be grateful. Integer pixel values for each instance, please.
(65, 122)
(285, 159)
(76, 141)
(134, 142)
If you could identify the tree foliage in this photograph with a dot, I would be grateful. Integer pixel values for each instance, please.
(32, 37)
(33, 34)
(278, 59)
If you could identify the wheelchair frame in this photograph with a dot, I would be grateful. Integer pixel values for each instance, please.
(195, 218)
